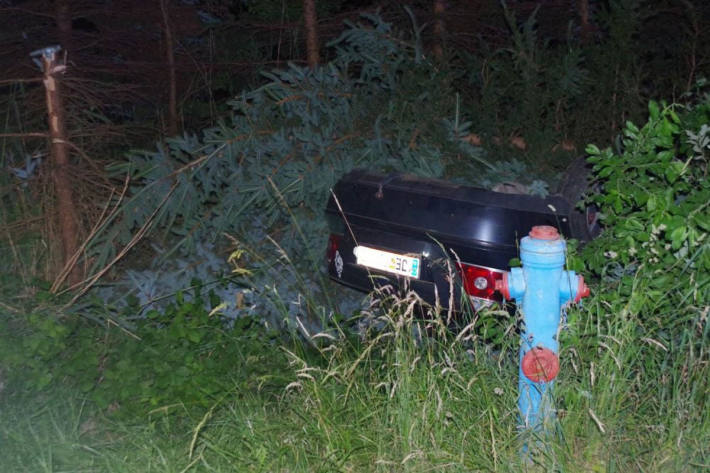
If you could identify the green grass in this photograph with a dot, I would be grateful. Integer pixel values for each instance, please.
(394, 401)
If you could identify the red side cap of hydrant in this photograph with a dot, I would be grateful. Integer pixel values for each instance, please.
(544, 232)
(502, 286)
(540, 364)
(582, 289)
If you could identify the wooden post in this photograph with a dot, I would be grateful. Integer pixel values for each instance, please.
(67, 218)
(310, 20)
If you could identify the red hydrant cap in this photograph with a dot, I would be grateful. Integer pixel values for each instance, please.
(544, 232)
(582, 289)
(540, 364)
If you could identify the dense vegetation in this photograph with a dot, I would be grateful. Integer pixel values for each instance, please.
(216, 344)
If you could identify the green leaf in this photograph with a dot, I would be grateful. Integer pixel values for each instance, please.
(678, 236)
(665, 155)
(640, 196)
(702, 221)
(633, 224)
(194, 336)
(605, 172)
(673, 171)
(653, 109)
(651, 203)
(642, 236)
(673, 223)
(592, 149)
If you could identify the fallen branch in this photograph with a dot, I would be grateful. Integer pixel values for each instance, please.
(136, 238)
(69, 266)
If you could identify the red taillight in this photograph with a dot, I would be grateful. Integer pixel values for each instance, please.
(333, 246)
(480, 282)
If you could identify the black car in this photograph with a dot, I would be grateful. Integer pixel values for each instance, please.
(388, 229)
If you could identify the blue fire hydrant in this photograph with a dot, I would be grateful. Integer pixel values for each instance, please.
(544, 289)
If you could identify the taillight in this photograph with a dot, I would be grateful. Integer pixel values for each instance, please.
(333, 245)
(480, 282)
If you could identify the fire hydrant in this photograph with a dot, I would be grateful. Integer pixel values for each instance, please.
(544, 288)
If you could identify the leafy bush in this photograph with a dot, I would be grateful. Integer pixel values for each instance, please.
(655, 203)
(264, 174)
(642, 342)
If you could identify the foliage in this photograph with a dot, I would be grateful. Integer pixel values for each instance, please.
(153, 287)
(615, 92)
(558, 93)
(264, 174)
(655, 201)
(405, 395)
(651, 315)
(527, 88)
(181, 355)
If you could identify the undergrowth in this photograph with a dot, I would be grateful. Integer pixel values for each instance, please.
(406, 395)
(180, 355)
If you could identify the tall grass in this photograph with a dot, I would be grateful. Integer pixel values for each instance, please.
(635, 384)
(408, 395)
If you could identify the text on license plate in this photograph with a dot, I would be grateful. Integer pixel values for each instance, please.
(386, 261)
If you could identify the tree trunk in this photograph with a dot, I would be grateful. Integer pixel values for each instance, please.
(311, 23)
(439, 29)
(62, 13)
(172, 85)
(67, 218)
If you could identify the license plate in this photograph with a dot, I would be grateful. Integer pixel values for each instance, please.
(386, 261)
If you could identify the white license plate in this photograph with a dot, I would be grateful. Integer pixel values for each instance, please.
(386, 261)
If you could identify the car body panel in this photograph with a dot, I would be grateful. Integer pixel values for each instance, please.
(434, 220)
